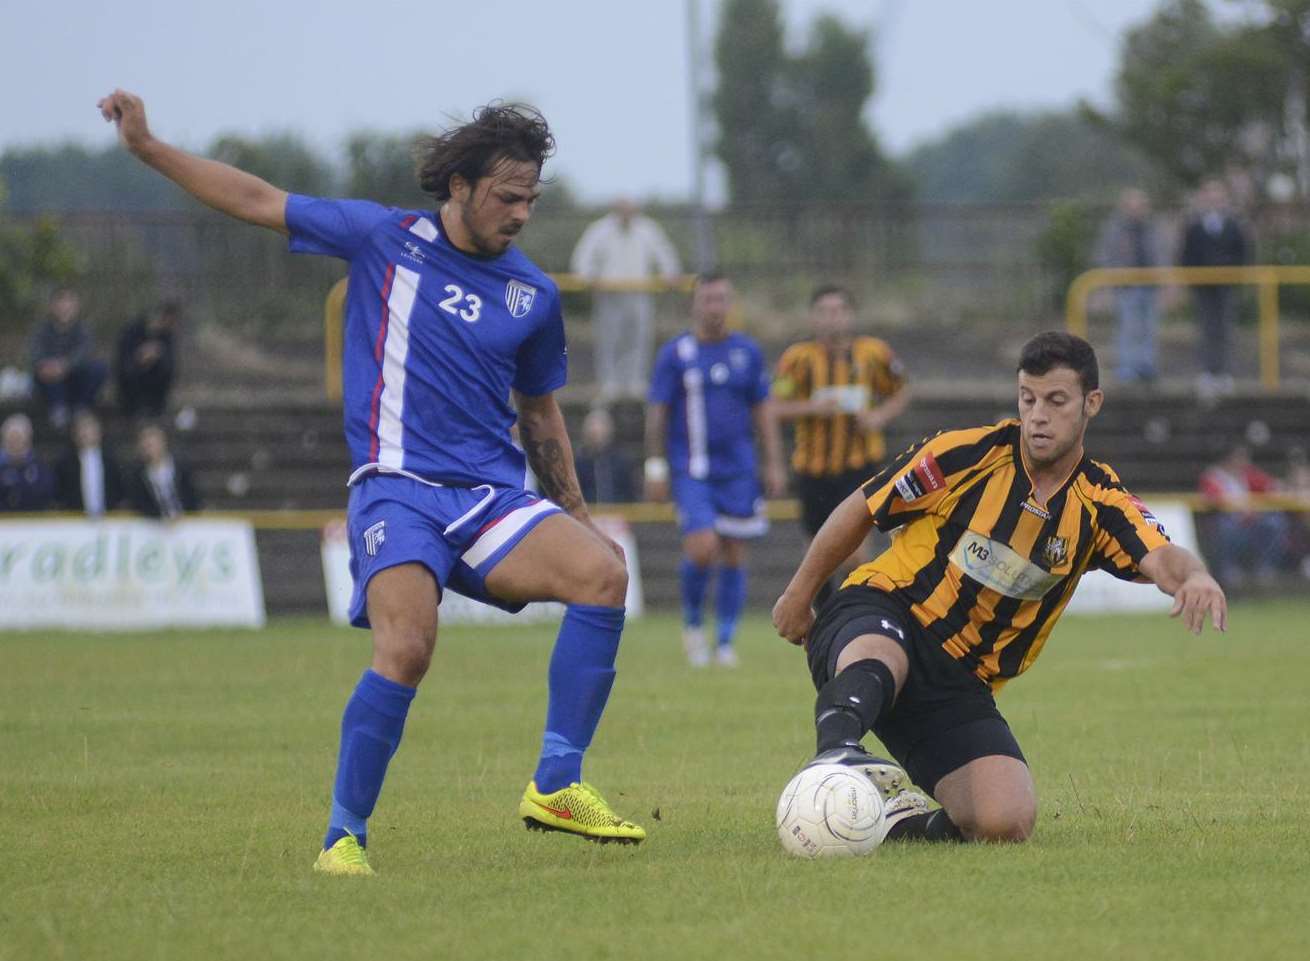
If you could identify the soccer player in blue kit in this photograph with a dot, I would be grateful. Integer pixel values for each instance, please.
(709, 397)
(445, 321)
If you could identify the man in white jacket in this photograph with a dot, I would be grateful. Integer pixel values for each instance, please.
(617, 255)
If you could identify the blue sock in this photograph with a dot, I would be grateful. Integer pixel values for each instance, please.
(581, 675)
(730, 599)
(694, 581)
(371, 727)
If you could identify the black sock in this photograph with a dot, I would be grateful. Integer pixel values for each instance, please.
(930, 826)
(850, 704)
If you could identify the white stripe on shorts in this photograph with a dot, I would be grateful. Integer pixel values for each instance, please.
(509, 525)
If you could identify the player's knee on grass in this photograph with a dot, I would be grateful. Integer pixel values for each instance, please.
(997, 823)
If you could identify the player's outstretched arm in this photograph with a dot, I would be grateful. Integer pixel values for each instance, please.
(1181, 574)
(839, 537)
(218, 185)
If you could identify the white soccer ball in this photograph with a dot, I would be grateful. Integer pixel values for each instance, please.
(830, 810)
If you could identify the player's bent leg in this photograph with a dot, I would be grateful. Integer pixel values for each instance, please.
(561, 559)
(990, 799)
(869, 670)
(402, 607)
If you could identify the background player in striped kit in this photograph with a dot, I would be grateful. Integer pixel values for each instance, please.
(445, 321)
(708, 402)
(841, 390)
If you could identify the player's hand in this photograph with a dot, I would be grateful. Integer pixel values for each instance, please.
(775, 480)
(129, 113)
(1199, 595)
(824, 406)
(793, 617)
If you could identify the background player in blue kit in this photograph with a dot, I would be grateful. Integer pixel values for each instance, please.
(709, 397)
(444, 321)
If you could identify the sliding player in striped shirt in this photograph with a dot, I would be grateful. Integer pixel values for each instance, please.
(994, 527)
(445, 321)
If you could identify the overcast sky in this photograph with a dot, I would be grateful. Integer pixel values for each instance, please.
(610, 75)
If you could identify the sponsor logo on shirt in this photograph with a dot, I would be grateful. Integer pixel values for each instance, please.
(995, 565)
(924, 478)
(519, 298)
(1032, 508)
(413, 252)
(1146, 513)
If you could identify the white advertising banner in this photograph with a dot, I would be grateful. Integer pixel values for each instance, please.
(129, 574)
(1102, 593)
(458, 609)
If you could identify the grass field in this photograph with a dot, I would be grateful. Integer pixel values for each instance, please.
(163, 796)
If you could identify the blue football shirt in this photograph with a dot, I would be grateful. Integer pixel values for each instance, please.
(710, 389)
(435, 339)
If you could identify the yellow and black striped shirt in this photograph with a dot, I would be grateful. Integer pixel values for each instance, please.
(985, 568)
(861, 376)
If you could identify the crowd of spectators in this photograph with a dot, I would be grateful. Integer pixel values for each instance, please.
(1212, 235)
(1251, 540)
(66, 377)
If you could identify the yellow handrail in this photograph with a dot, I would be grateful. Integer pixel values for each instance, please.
(1267, 278)
(334, 306)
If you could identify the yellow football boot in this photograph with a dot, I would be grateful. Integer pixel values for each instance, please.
(577, 809)
(346, 858)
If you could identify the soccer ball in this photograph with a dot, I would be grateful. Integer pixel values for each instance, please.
(828, 811)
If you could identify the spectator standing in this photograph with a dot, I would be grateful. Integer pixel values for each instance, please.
(616, 254)
(1214, 238)
(88, 477)
(1246, 538)
(66, 375)
(161, 486)
(146, 360)
(605, 472)
(1129, 238)
(25, 482)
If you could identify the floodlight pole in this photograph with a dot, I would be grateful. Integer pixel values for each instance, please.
(700, 216)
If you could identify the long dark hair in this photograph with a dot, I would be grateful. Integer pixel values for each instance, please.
(497, 132)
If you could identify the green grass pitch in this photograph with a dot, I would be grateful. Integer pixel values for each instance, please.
(163, 796)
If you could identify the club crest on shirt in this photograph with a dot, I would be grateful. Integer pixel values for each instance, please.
(375, 537)
(519, 298)
(1056, 551)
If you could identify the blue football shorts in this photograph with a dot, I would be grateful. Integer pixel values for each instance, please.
(458, 533)
(732, 507)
